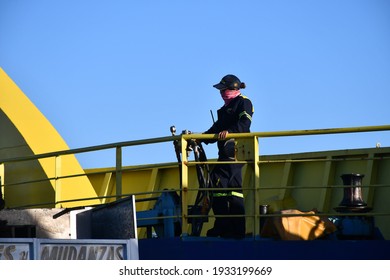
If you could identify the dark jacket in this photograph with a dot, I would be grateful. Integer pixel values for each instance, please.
(236, 117)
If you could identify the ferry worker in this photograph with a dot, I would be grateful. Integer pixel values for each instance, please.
(235, 116)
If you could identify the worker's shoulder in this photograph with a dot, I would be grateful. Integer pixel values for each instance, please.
(245, 98)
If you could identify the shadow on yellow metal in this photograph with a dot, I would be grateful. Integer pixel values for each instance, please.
(26, 132)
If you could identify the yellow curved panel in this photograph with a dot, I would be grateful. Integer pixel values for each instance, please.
(42, 137)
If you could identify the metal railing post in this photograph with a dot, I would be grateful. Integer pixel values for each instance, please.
(256, 188)
(184, 186)
(57, 181)
(118, 171)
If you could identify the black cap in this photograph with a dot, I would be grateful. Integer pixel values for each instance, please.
(229, 82)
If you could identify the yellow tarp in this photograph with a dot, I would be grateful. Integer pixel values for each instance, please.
(306, 227)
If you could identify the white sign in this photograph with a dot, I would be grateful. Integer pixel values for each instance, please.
(81, 252)
(14, 251)
(68, 249)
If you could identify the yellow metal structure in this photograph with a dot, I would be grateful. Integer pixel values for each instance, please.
(38, 170)
(303, 181)
(26, 132)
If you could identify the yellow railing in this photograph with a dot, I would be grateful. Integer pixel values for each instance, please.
(247, 153)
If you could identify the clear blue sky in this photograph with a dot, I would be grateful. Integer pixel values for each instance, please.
(118, 70)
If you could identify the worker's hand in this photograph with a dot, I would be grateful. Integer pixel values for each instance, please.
(223, 134)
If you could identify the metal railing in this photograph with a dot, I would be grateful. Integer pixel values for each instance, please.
(248, 154)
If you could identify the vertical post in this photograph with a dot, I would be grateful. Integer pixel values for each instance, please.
(247, 149)
(57, 181)
(184, 186)
(256, 180)
(118, 171)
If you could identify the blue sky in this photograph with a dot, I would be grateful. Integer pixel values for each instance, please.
(112, 71)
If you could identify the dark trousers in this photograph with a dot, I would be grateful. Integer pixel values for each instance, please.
(228, 227)
(227, 176)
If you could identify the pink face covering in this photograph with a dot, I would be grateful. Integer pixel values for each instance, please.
(229, 94)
